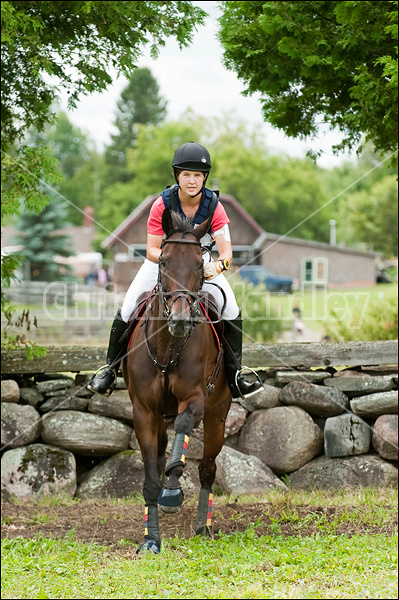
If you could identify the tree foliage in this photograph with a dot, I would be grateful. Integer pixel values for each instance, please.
(139, 103)
(42, 240)
(49, 45)
(77, 43)
(313, 62)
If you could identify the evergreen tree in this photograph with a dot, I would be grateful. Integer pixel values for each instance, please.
(140, 103)
(42, 241)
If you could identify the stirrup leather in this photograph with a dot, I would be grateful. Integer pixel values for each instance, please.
(240, 372)
(110, 387)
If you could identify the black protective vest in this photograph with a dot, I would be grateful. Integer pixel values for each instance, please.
(208, 204)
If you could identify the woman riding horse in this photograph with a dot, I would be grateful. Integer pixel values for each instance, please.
(189, 197)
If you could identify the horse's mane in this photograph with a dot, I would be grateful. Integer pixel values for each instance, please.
(182, 223)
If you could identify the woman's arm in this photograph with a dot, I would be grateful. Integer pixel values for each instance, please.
(154, 247)
(224, 248)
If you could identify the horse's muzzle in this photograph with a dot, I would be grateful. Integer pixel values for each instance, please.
(179, 326)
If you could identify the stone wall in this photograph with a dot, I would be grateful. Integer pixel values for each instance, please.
(325, 428)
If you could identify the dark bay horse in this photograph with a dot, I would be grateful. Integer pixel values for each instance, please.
(175, 368)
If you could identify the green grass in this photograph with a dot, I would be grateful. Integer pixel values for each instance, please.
(316, 305)
(242, 565)
(237, 566)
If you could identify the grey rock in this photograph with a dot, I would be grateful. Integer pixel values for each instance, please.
(64, 403)
(85, 434)
(133, 442)
(285, 438)
(359, 385)
(346, 435)
(235, 419)
(239, 473)
(374, 405)
(326, 473)
(30, 396)
(9, 390)
(117, 406)
(190, 481)
(53, 385)
(385, 436)
(267, 398)
(304, 376)
(35, 471)
(116, 477)
(20, 425)
(317, 400)
(232, 441)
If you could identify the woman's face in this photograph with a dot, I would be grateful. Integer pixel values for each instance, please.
(191, 182)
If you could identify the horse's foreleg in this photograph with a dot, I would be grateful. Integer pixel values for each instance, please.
(147, 433)
(162, 443)
(171, 496)
(214, 426)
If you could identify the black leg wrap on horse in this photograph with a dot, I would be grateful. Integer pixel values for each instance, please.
(204, 513)
(151, 528)
(178, 455)
(184, 423)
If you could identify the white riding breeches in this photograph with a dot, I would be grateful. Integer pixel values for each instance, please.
(147, 277)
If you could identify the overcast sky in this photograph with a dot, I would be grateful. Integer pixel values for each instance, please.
(195, 78)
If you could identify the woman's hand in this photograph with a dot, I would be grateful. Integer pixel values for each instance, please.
(212, 269)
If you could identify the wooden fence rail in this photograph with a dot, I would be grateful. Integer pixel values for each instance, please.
(298, 355)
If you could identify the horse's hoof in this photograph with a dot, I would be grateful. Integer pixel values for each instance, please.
(149, 546)
(170, 500)
(169, 510)
(206, 531)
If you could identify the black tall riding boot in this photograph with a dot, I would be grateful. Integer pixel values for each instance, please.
(104, 380)
(239, 386)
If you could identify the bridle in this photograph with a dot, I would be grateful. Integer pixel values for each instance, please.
(192, 298)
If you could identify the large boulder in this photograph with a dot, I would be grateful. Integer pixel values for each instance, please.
(52, 385)
(317, 400)
(30, 395)
(235, 419)
(285, 438)
(385, 436)
(85, 434)
(9, 390)
(374, 405)
(20, 425)
(118, 406)
(116, 477)
(37, 470)
(326, 473)
(359, 384)
(346, 435)
(238, 473)
(266, 398)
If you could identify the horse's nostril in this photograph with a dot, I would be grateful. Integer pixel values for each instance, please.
(179, 327)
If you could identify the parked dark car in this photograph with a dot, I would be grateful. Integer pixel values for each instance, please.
(257, 274)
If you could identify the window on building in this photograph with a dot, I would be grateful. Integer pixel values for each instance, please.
(314, 271)
(137, 252)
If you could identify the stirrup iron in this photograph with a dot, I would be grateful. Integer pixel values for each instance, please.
(240, 372)
(110, 388)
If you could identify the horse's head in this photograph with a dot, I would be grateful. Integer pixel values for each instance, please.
(181, 271)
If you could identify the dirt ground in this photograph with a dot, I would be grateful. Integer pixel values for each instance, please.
(121, 527)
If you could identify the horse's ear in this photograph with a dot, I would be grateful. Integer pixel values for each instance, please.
(167, 221)
(202, 229)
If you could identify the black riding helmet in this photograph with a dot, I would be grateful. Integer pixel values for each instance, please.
(193, 157)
